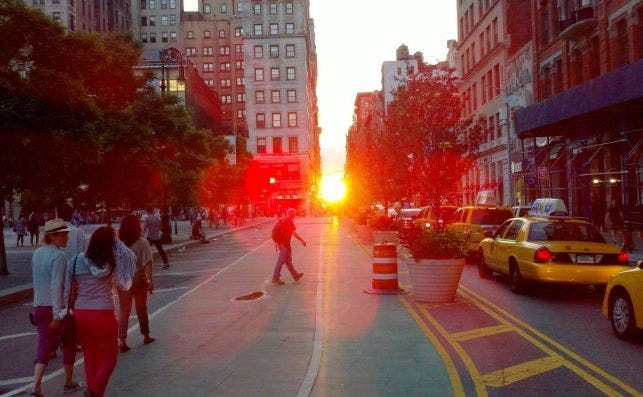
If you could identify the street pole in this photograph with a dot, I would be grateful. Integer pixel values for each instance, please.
(509, 171)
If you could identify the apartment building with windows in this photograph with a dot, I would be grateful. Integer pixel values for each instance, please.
(396, 73)
(585, 128)
(88, 15)
(281, 101)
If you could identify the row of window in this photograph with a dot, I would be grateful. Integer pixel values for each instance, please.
(164, 4)
(273, 29)
(275, 74)
(275, 96)
(273, 8)
(487, 40)
(189, 35)
(468, 20)
(166, 20)
(488, 89)
(165, 37)
(260, 120)
(274, 51)
(277, 147)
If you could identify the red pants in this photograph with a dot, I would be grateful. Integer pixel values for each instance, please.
(97, 333)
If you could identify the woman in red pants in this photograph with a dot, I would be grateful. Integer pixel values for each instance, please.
(106, 260)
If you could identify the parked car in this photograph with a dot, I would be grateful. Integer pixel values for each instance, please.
(623, 302)
(405, 220)
(550, 249)
(427, 219)
(476, 220)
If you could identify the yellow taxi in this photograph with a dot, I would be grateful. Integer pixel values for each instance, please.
(623, 302)
(556, 249)
(474, 221)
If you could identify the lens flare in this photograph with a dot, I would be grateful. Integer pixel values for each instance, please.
(333, 188)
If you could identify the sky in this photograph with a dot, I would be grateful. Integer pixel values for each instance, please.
(353, 38)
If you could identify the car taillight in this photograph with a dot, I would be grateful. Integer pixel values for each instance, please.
(623, 257)
(542, 254)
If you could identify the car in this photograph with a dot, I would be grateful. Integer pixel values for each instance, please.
(475, 221)
(405, 220)
(552, 249)
(426, 219)
(623, 302)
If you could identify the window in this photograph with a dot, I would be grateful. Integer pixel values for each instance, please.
(224, 50)
(494, 29)
(241, 81)
(241, 97)
(261, 120)
(207, 8)
(544, 22)
(190, 51)
(290, 50)
(261, 144)
(557, 76)
(172, 20)
(289, 8)
(222, 34)
(473, 54)
(274, 73)
(256, 9)
(143, 3)
(290, 73)
(622, 43)
(143, 20)
(152, 4)
(481, 41)
(224, 8)
(258, 51)
(164, 4)
(152, 20)
(226, 99)
(207, 34)
(238, 48)
(143, 35)
(276, 145)
(546, 82)
(209, 83)
(483, 86)
(293, 146)
(172, 4)
(241, 113)
(292, 119)
(173, 37)
(164, 37)
(474, 92)
(239, 7)
(273, 8)
(152, 37)
(208, 51)
(496, 79)
(259, 97)
(190, 35)
(239, 65)
(276, 120)
(258, 30)
(275, 96)
(208, 67)
(225, 82)
(274, 29)
(290, 28)
(292, 96)
(489, 85)
(224, 66)
(274, 51)
(498, 128)
(258, 74)
(238, 32)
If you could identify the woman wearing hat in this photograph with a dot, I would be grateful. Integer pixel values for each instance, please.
(49, 266)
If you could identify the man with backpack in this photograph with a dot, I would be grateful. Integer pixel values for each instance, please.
(282, 233)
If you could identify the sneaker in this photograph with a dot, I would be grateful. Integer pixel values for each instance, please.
(72, 388)
(298, 276)
(166, 266)
(277, 281)
(148, 339)
(123, 347)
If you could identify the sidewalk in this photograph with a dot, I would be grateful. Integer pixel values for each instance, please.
(18, 286)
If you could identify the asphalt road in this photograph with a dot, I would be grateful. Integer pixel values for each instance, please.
(322, 336)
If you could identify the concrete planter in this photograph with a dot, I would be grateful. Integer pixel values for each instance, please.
(380, 236)
(435, 280)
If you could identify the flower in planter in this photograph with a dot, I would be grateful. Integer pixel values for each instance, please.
(440, 244)
(382, 222)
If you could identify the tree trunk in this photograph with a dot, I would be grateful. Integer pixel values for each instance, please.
(3, 255)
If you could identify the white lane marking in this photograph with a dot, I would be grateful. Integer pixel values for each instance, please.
(315, 360)
(16, 381)
(184, 273)
(198, 261)
(133, 328)
(17, 335)
(169, 289)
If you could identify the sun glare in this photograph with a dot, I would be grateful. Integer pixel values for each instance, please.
(333, 188)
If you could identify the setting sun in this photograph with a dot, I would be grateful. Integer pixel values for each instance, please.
(333, 188)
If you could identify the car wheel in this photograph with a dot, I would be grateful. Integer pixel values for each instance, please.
(622, 315)
(483, 269)
(516, 282)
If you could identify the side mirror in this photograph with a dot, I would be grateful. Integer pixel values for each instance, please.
(488, 234)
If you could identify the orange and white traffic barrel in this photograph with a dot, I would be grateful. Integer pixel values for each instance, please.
(385, 270)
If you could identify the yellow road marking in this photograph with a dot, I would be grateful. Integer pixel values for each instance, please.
(507, 376)
(456, 382)
(477, 299)
(480, 332)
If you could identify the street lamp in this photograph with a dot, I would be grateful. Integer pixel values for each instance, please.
(168, 55)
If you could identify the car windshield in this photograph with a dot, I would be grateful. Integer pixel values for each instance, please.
(564, 231)
(410, 212)
(490, 216)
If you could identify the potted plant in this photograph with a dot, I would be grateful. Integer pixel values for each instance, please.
(384, 229)
(437, 264)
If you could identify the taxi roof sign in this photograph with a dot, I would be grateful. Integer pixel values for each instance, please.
(548, 207)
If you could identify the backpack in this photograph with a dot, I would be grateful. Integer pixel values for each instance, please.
(278, 231)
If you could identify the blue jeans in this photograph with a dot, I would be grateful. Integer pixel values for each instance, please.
(285, 257)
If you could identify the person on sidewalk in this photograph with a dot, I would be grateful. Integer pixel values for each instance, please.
(282, 244)
(130, 233)
(21, 230)
(615, 220)
(107, 260)
(33, 225)
(49, 266)
(77, 242)
(152, 226)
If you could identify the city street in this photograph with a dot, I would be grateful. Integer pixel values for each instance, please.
(322, 336)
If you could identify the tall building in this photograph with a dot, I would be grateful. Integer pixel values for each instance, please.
(583, 135)
(396, 73)
(103, 16)
(487, 38)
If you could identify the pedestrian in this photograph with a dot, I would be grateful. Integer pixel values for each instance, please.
(21, 230)
(34, 228)
(152, 226)
(282, 244)
(77, 242)
(131, 234)
(48, 268)
(106, 260)
(614, 220)
(197, 234)
(598, 211)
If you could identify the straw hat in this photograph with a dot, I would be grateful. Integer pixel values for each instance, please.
(56, 226)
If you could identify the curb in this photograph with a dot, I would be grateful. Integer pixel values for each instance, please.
(25, 291)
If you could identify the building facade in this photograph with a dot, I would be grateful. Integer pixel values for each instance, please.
(396, 73)
(88, 15)
(585, 130)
